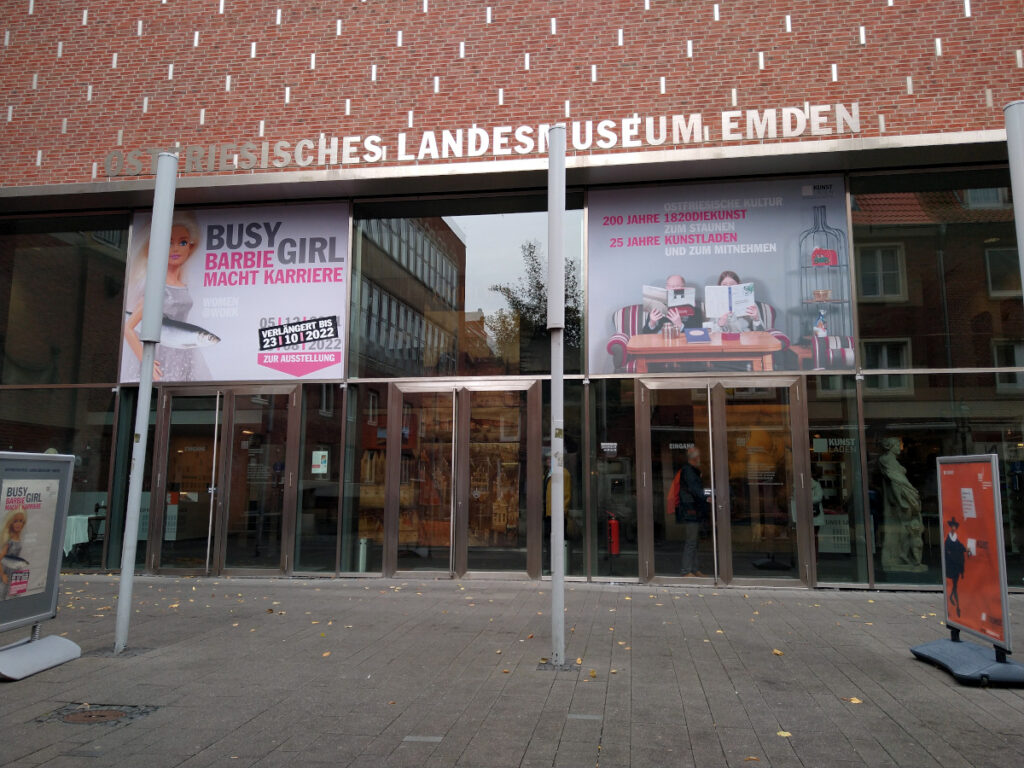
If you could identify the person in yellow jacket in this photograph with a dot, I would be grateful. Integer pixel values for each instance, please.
(569, 523)
(566, 493)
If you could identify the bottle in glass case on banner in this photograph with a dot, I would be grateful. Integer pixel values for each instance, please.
(824, 272)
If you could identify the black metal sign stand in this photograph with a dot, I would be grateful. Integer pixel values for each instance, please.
(971, 663)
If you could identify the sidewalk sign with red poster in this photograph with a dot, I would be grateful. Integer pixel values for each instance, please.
(973, 559)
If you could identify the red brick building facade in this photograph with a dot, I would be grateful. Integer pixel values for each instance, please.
(862, 145)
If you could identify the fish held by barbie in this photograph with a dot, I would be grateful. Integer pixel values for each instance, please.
(180, 335)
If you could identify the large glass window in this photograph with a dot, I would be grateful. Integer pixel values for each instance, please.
(572, 480)
(948, 415)
(316, 539)
(459, 288)
(613, 521)
(362, 524)
(61, 283)
(840, 534)
(69, 421)
(937, 271)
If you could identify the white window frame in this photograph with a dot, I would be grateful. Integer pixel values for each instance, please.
(998, 292)
(830, 385)
(901, 258)
(883, 378)
(975, 201)
(1009, 381)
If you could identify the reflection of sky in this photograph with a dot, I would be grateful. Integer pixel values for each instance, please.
(494, 252)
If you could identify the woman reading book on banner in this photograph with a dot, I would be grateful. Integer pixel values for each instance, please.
(741, 312)
(679, 307)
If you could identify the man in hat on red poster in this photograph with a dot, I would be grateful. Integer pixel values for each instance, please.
(956, 555)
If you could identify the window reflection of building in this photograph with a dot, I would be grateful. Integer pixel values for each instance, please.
(932, 271)
(412, 274)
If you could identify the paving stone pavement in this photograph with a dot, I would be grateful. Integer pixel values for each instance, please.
(437, 673)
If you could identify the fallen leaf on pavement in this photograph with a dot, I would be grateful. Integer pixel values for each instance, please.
(784, 734)
(751, 758)
(593, 673)
(579, 659)
(853, 700)
(777, 652)
(325, 654)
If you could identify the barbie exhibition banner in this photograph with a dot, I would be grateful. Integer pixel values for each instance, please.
(252, 293)
(732, 276)
(973, 559)
(36, 491)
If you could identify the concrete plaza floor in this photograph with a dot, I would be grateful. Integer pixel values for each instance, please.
(417, 672)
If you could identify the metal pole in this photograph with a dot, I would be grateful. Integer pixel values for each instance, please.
(213, 480)
(149, 334)
(714, 490)
(556, 324)
(1014, 114)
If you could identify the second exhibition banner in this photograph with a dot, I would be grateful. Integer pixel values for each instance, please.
(765, 256)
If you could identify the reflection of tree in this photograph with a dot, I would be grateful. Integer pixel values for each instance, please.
(522, 327)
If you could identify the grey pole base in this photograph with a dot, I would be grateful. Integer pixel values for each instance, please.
(971, 663)
(20, 660)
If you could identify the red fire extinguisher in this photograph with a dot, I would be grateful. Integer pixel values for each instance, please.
(613, 534)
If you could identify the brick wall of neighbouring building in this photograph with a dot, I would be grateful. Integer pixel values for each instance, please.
(84, 78)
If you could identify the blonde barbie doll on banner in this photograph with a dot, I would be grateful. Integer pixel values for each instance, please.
(178, 356)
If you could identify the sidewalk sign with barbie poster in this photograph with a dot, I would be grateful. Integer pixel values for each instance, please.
(253, 294)
(35, 492)
(973, 560)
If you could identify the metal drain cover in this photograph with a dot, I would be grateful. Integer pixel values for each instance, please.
(94, 716)
(87, 714)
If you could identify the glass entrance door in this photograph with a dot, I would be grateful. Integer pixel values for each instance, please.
(224, 485)
(738, 447)
(461, 474)
(258, 479)
(191, 426)
(496, 497)
(426, 481)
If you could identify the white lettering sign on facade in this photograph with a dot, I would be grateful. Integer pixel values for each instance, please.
(634, 132)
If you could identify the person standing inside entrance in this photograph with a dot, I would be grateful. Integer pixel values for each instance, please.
(686, 500)
(569, 529)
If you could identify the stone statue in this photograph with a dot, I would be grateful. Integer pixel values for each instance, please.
(902, 528)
